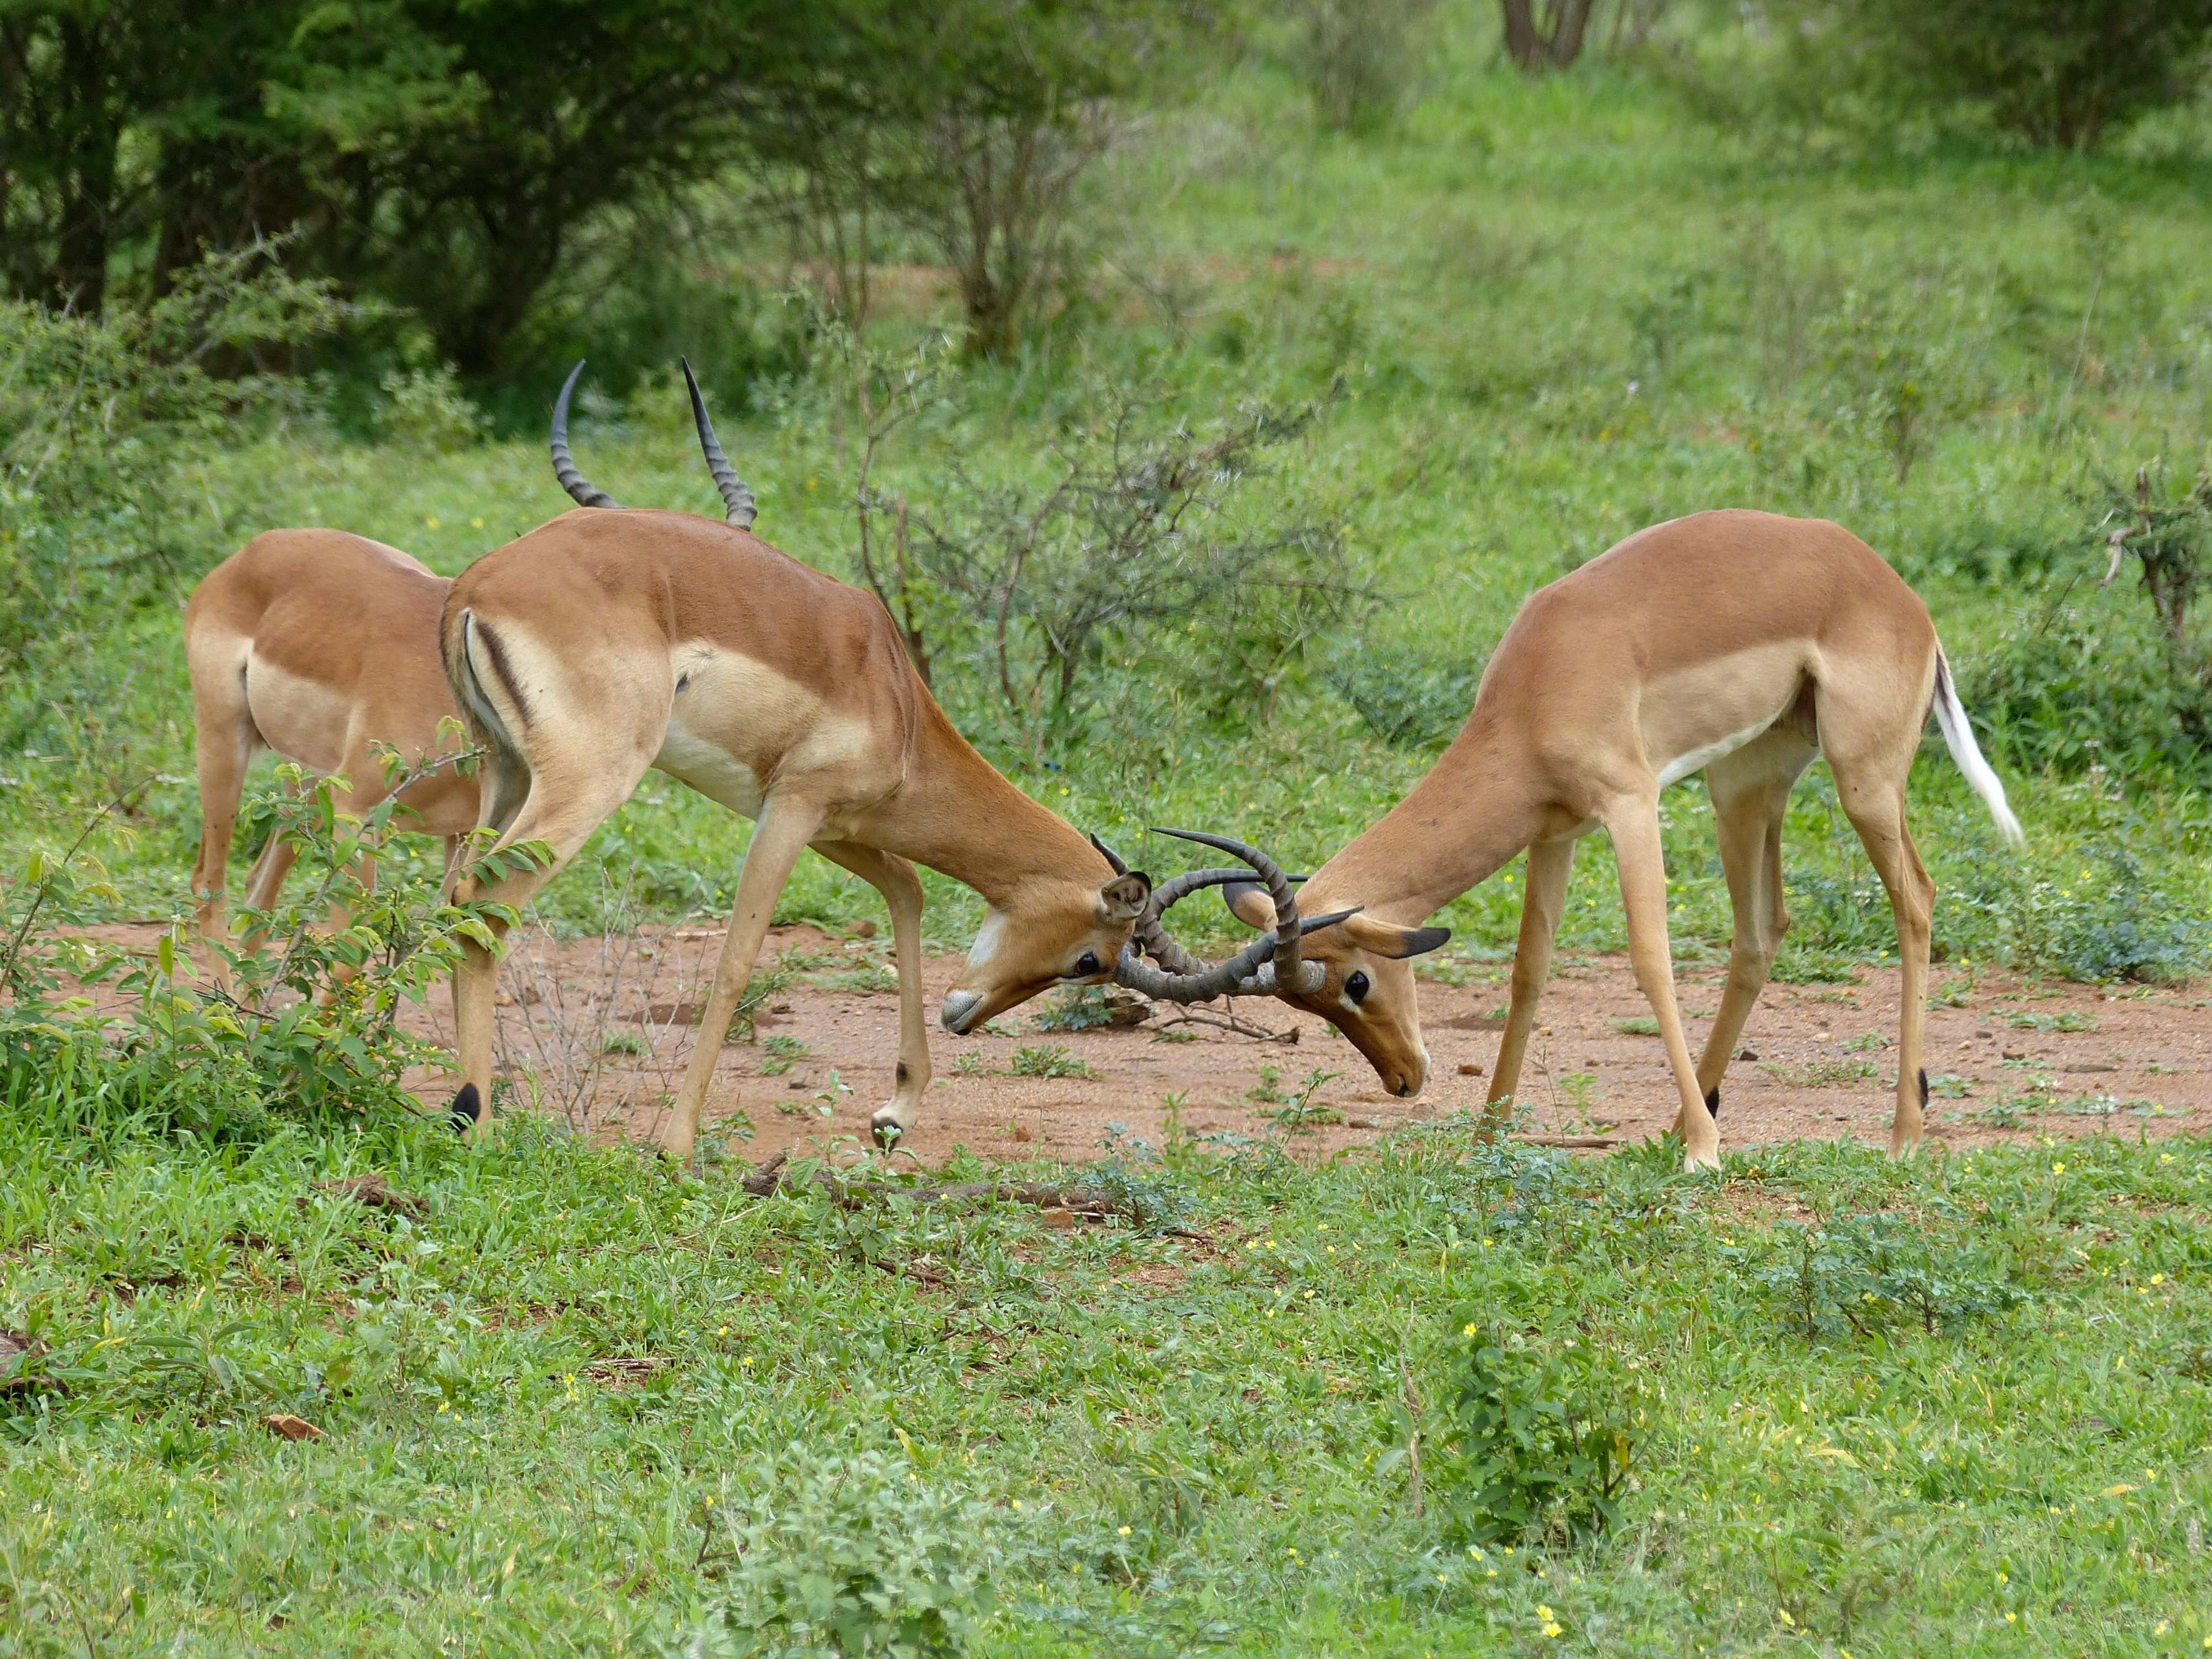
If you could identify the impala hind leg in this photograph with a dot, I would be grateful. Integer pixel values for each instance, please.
(1546, 894)
(780, 836)
(894, 878)
(1750, 792)
(584, 806)
(223, 739)
(1881, 824)
(1869, 733)
(1637, 849)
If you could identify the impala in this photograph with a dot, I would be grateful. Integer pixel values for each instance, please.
(1738, 644)
(318, 645)
(614, 641)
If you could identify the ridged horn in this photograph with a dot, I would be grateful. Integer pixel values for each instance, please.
(1269, 966)
(564, 467)
(737, 500)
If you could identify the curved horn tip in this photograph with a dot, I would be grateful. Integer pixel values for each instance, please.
(1113, 857)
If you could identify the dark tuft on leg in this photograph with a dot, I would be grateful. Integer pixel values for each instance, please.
(901, 1071)
(1923, 1088)
(1713, 1100)
(467, 1107)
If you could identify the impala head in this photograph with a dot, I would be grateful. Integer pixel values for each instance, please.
(1350, 968)
(1049, 933)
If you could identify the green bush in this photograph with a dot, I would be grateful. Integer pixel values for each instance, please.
(2049, 74)
(1852, 1275)
(309, 1030)
(848, 1554)
(1537, 1436)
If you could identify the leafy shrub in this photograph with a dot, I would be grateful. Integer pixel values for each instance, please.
(848, 1554)
(1408, 704)
(2123, 927)
(1855, 1274)
(2052, 75)
(1077, 1008)
(1358, 58)
(1135, 570)
(1048, 1059)
(428, 410)
(1535, 1435)
(309, 1029)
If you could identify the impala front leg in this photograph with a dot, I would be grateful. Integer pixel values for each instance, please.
(1643, 862)
(779, 838)
(894, 878)
(1549, 863)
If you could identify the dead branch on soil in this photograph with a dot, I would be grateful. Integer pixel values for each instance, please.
(1230, 1022)
(772, 1178)
(372, 1190)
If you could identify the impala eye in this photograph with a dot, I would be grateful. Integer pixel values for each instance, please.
(1356, 987)
(1087, 966)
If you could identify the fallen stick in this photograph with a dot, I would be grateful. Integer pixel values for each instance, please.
(771, 1178)
(1589, 1142)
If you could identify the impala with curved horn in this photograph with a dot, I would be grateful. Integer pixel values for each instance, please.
(1736, 643)
(610, 642)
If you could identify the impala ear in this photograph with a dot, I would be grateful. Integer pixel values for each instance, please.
(1248, 902)
(1382, 939)
(1124, 898)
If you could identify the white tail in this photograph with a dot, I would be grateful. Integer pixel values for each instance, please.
(1959, 737)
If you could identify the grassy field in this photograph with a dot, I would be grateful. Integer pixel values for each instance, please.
(1819, 1404)
(548, 1403)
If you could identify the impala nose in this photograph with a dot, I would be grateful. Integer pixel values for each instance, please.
(959, 1009)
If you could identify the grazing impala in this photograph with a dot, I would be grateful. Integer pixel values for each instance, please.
(318, 645)
(1738, 644)
(610, 642)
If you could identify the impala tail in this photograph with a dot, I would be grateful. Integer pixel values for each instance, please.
(1959, 738)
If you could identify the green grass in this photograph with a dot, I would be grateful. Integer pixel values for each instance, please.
(528, 1398)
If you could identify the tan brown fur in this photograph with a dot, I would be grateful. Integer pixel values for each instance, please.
(610, 642)
(318, 645)
(1791, 633)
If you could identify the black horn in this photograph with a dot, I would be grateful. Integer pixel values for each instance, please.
(564, 468)
(737, 500)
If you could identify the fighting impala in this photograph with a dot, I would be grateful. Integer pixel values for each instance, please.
(318, 645)
(1738, 644)
(614, 641)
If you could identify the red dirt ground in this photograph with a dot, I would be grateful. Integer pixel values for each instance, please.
(574, 1011)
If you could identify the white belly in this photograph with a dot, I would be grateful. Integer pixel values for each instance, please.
(1697, 760)
(714, 772)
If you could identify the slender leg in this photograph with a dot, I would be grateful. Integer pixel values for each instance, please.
(584, 802)
(1634, 824)
(223, 744)
(1549, 863)
(894, 878)
(266, 880)
(785, 828)
(1870, 727)
(1751, 792)
(1912, 903)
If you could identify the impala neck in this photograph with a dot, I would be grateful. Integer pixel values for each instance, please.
(956, 814)
(1458, 826)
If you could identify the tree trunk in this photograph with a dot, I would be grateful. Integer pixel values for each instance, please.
(1567, 32)
(78, 281)
(1521, 42)
(1553, 44)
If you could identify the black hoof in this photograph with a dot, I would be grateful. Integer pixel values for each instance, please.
(467, 1107)
(1713, 1100)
